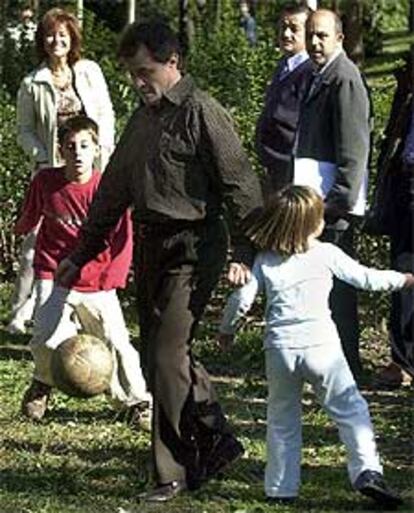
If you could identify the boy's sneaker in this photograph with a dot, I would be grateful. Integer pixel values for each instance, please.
(35, 399)
(371, 483)
(16, 327)
(138, 416)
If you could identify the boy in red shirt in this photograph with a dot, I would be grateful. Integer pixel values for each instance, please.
(60, 198)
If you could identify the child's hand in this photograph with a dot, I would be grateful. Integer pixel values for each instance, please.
(409, 281)
(238, 274)
(225, 341)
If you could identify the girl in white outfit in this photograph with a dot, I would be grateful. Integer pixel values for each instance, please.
(295, 271)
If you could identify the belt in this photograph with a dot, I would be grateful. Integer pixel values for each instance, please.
(168, 228)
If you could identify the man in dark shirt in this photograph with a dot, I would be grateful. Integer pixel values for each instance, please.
(276, 127)
(179, 161)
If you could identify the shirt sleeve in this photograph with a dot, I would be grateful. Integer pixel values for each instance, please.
(32, 209)
(349, 270)
(26, 124)
(241, 300)
(223, 154)
(351, 125)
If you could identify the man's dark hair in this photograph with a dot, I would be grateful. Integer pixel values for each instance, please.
(294, 8)
(156, 36)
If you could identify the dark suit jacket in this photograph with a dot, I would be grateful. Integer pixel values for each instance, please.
(393, 207)
(277, 124)
(335, 127)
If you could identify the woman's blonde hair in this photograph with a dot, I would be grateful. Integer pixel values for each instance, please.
(291, 216)
(50, 20)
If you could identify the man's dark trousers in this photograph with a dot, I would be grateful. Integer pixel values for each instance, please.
(178, 266)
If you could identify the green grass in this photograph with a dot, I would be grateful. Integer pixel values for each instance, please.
(79, 459)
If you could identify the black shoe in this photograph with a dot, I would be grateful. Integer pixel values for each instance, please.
(280, 500)
(139, 416)
(225, 451)
(372, 484)
(164, 492)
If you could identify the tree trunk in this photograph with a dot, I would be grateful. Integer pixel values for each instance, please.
(131, 11)
(352, 19)
(184, 25)
(79, 11)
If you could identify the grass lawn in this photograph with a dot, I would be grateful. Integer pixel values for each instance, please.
(79, 459)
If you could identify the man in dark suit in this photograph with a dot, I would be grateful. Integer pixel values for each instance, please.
(276, 128)
(392, 214)
(332, 153)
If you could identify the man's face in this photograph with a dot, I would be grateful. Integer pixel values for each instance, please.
(79, 150)
(292, 33)
(152, 78)
(322, 39)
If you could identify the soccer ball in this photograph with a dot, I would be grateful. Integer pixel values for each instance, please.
(82, 366)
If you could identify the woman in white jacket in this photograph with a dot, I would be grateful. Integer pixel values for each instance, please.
(62, 86)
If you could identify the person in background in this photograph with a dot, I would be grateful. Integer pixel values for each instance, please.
(393, 212)
(62, 86)
(179, 162)
(332, 155)
(23, 32)
(277, 124)
(59, 199)
(248, 23)
(295, 271)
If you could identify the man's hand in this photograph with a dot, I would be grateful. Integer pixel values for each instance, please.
(225, 341)
(239, 274)
(66, 273)
(409, 281)
(333, 213)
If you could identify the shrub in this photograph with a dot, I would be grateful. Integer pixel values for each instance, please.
(14, 172)
(224, 64)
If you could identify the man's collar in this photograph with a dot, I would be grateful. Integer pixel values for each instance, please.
(181, 90)
(296, 60)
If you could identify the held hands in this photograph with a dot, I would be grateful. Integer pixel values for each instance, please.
(409, 281)
(66, 273)
(238, 274)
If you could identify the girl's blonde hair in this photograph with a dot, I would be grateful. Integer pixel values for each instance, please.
(291, 216)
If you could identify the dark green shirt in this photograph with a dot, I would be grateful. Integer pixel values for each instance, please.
(181, 160)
